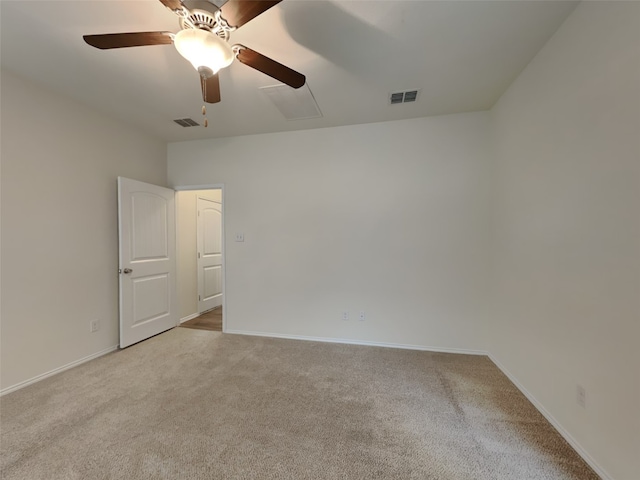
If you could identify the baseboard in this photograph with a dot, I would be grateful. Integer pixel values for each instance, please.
(557, 425)
(359, 342)
(188, 317)
(20, 385)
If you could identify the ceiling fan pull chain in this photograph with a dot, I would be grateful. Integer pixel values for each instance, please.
(204, 107)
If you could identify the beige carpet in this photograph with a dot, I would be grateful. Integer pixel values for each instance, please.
(192, 404)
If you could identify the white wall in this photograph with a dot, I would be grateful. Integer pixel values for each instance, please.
(186, 213)
(60, 161)
(567, 231)
(389, 218)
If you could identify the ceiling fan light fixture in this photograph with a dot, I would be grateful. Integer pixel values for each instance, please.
(206, 51)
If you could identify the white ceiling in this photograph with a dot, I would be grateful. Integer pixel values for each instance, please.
(462, 55)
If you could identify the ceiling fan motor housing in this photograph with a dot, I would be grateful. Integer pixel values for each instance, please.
(203, 20)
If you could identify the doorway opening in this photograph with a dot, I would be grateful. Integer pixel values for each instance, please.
(200, 257)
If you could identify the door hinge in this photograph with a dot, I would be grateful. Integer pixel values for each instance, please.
(199, 299)
(198, 254)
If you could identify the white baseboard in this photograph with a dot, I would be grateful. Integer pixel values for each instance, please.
(188, 317)
(557, 425)
(20, 385)
(360, 342)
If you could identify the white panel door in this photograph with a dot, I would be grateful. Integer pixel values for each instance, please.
(209, 233)
(147, 232)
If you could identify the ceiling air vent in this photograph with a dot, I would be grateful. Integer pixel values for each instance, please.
(403, 97)
(293, 103)
(187, 122)
(397, 98)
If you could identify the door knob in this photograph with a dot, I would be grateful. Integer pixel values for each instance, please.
(127, 270)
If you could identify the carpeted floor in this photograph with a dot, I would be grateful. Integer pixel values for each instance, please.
(192, 404)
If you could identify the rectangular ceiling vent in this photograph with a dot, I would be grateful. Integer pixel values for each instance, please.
(293, 103)
(187, 122)
(403, 97)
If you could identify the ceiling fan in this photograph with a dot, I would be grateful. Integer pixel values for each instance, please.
(204, 41)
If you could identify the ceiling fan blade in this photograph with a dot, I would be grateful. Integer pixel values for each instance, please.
(239, 12)
(210, 89)
(122, 40)
(172, 5)
(271, 67)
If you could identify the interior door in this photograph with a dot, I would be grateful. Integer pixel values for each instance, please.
(209, 243)
(147, 232)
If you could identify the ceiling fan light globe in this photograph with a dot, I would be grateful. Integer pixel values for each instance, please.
(205, 50)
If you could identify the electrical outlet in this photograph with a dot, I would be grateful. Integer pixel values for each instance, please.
(581, 396)
(94, 326)
(345, 315)
(362, 316)
(239, 237)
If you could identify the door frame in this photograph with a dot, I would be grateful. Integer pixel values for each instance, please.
(213, 186)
